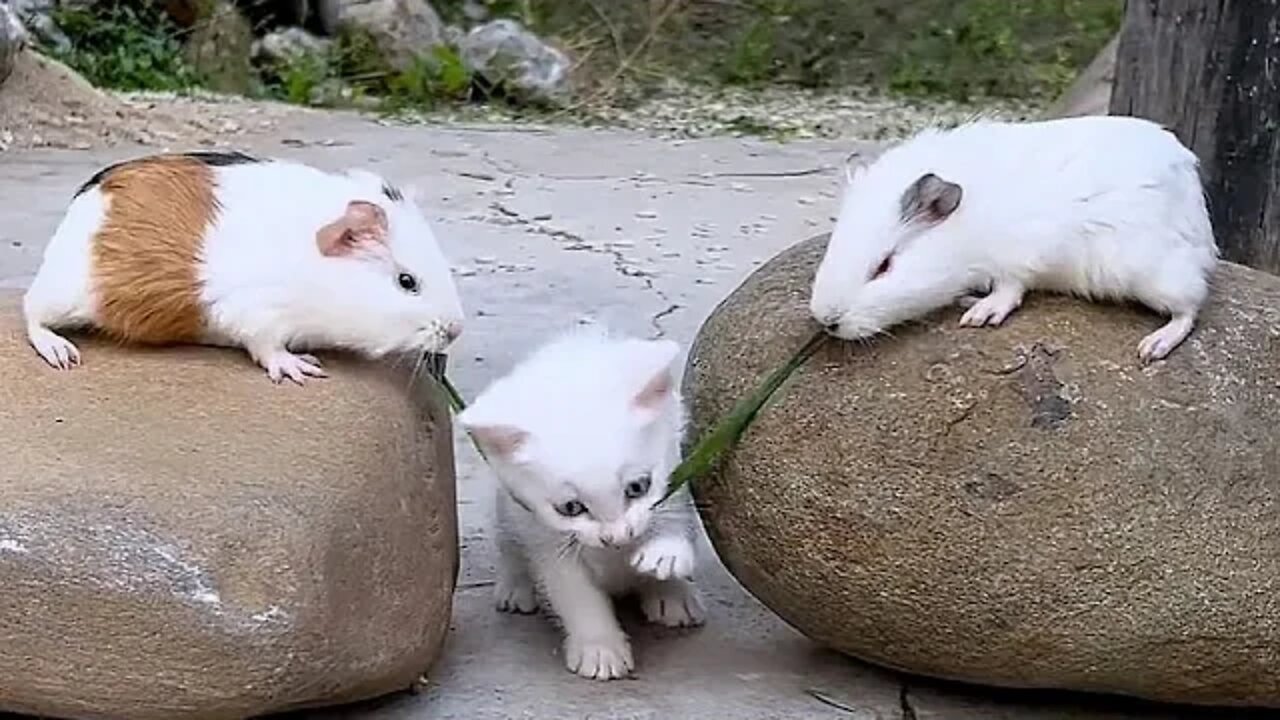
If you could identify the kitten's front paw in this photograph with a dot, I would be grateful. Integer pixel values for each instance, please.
(598, 658)
(663, 558)
(674, 603)
(515, 598)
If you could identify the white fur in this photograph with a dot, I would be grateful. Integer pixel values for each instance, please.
(573, 402)
(1109, 208)
(266, 285)
(61, 295)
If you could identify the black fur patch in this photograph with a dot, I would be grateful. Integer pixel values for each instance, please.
(213, 158)
(393, 193)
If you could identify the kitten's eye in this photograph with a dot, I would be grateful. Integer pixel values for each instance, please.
(573, 508)
(883, 267)
(638, 488)
(408, 283)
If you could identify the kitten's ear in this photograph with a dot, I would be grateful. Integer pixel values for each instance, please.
(496, 439)
(502, 441)
(657, 360)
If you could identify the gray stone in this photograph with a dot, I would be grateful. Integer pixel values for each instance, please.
(404, 30)
(1024, 506)
(289, 44)
(13, 38)
(182, 540)
(327, 12)
(37, 16)
(220, 48)
(510, 57)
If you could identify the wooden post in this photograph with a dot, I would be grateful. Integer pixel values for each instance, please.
(1209, 70)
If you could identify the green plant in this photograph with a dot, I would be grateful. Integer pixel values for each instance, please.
(751, 58)
(124, 46)
(430, 79)
(999, 48)
(299, 79)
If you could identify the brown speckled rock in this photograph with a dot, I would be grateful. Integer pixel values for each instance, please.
(1023, 506)
(181, 539)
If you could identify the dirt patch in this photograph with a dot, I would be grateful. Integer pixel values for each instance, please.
(46, 104)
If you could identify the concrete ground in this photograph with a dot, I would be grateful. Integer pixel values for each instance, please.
(546, 228)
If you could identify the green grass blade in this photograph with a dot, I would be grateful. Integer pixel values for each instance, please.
(455, 398)
(458, 404)
(704, 455)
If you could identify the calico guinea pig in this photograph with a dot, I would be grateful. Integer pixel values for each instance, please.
(223, 248)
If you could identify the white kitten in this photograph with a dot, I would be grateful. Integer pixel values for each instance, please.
(582, 437)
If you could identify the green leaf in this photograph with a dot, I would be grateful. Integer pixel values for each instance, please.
(704, 455)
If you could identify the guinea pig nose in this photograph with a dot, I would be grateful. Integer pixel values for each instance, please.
(453, 330)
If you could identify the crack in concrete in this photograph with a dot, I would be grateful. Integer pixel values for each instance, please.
(658, 317)
(573, 242)
(904, 703)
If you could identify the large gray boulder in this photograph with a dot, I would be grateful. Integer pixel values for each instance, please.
(1024, 506)
(37, 17)
(517, 62)
(13, 38)
(404, 30)
(182, 540)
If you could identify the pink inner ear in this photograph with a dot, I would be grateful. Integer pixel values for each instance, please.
(655, 392)
(500, 440)
(363, 224)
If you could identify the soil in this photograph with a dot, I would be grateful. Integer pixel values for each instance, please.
(46, 104)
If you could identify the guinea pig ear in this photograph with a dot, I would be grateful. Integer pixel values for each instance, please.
(930, 199)
(362, 225)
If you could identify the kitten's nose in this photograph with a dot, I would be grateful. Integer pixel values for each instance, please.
(607, 539)
(453, 330)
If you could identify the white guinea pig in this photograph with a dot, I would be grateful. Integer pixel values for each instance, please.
(1108, 208)
(228, 249)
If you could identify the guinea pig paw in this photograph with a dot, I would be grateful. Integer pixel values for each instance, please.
(991, 310)
(663, 558)
(56, 350)
(298, 368)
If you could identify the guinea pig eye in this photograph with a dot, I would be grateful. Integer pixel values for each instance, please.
(883, 267)
(407, 282)
(638, 488)
(572, 508)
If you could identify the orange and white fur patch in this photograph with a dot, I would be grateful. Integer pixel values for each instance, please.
(228, 249)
